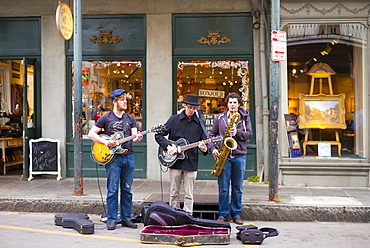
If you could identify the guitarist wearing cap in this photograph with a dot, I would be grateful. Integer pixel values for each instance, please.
(185, 125)
(120, 171)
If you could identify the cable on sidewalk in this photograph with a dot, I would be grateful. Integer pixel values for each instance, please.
(101, 195)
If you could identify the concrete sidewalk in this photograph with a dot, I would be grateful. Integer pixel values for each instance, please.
(46, 194)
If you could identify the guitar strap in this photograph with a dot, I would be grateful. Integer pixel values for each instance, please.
(201, 121)
(124, 120)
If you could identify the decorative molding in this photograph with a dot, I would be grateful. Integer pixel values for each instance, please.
(106, 38)
(213, 38)
(355, 31)
(338, 7)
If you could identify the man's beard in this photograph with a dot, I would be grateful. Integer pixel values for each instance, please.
(121, 108)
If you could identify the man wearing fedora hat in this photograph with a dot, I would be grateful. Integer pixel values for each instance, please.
(120, 171)
(189, 126)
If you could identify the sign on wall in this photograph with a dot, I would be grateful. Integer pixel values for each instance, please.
(64, 21)
(278, 45)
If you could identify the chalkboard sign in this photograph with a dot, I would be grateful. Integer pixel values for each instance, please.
(44, 157)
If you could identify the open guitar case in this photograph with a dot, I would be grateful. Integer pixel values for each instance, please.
(164, 224)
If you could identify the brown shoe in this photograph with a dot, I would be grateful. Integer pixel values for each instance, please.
(238, 220)
(221, 218)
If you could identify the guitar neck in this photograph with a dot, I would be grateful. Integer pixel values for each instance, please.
(187, 147)
(123, 140)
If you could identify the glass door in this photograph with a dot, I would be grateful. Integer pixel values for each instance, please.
(18, 124)
(28, 109)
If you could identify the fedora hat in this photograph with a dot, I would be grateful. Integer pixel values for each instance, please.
(192, 100)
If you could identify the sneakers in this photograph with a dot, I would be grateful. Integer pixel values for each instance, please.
(129, 224)
(111, 225)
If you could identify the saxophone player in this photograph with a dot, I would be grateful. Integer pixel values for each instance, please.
(232, 174)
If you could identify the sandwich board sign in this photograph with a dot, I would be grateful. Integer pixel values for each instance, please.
(44, 157)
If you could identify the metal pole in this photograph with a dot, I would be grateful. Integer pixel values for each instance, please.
(77, 94)
(274, 108)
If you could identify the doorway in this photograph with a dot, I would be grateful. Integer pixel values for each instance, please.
(17, 114)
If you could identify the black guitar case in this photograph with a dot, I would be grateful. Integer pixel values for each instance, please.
(78, 221)
(160, 213)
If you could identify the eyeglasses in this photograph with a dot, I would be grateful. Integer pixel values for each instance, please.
(191, 107)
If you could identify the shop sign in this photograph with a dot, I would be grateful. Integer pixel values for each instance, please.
(278, 45)
(212, 93)
(64, 21)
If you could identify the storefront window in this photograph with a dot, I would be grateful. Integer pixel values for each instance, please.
(212, 80)
(11, 94)
(326, 78)
(99, 79)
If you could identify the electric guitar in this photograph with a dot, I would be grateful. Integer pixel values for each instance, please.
(182, 145)
(102, 155)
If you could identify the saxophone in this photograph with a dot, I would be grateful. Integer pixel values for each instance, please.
(227, 145)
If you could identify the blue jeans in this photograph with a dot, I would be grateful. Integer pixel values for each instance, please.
(233, 172)
(120, 175)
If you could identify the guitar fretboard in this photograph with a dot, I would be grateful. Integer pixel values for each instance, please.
(123, 140)
(187, 147)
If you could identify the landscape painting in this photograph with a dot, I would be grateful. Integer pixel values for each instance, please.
(322, 111)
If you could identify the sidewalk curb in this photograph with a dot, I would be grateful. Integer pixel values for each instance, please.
(252, 212)
(282, 212)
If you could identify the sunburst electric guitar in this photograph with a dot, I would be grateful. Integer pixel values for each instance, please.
(102, 155)
(182, 145)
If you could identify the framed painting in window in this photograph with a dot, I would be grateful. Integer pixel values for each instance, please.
(322, 111)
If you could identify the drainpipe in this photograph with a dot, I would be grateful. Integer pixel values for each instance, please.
(274, 109)
(77, 62)
(265, 102)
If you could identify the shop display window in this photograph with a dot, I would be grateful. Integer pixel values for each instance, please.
(326, 77)
(99, 79)
(212, 80)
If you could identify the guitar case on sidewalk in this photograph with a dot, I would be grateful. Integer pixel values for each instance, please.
(78, 221)
(161, 214)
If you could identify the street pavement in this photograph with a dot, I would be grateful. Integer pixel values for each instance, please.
(305, 204)
(37, 230)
